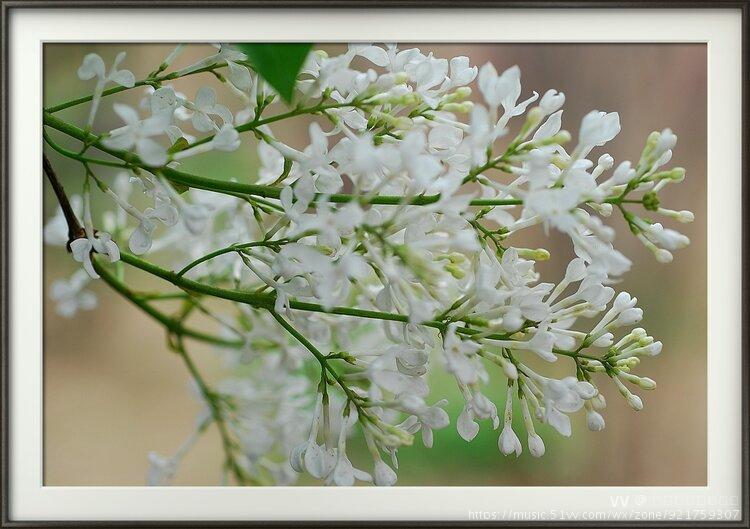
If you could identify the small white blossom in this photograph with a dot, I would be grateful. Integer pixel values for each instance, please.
(93, 67)
(71, 295)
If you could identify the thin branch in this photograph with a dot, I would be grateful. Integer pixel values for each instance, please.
(226, 186)
(75, 231)
(170, 324)
(228, 249)
(149, 81)
(216, 407)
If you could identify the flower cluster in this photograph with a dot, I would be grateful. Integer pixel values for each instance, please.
(387, 248)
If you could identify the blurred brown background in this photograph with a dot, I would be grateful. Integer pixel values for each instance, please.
(113, 392)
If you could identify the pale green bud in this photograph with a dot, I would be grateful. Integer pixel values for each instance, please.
(455, 271)
(558, 139)
(539, 254)
(459, 108)
(676, 174)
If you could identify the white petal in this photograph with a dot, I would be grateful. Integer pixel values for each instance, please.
(427, 437)
(296, 457)
(550, 127)
(89, 267)
(343, 474)
(227, 139)
(202, 122)
(240, 76)
(140, 240)
(120, 141)
(558, 420)
(92, 66)
(375, 55)
(87, 300)
(126, 113)
(123, 77)
(318, 461)
(80, 248)
(151, 152)
(205, 98)
(466, 426)
(165, 212)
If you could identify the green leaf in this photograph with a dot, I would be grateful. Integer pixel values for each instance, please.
(179, 145)
(278, 64)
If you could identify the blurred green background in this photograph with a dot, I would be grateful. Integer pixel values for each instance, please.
(113, 392)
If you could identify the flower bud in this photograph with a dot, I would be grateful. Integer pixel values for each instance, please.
(508, 442)
(605, 210)
(623, 301)
(635, 402)
(605, 340)
(623, 174)
(685, 216)
(663, 256)
(594, 420)
(599, 402)
(606, 161)
(628, 317)
(459, 94)
(536, 445)
(509, 368)
(459, 108)
(540, 254)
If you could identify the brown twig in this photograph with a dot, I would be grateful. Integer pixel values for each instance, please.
(75, 231)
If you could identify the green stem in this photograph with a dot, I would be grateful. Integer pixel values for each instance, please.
(171, 325)
(75, 156)
(353, 397)
(268, 301)
(257, 123)
(117, 89)
(575, 354)
(159, 296)
(222, 251)
(260, 300)
(215, 407)
(211, 184)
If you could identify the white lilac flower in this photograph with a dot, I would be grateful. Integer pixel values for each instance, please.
(392, 240)
(428, 73)
(343, 472)
(503, 90)
(461, 71)
(204, 107)
(460, 357)
(71, 296)
(93, 67)
(101, 242)
(597, 128)
(309, 456)
(93, 241)
(508, 442)
(142, 237)
(138, 134)
(271, 163)
(425, 418)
